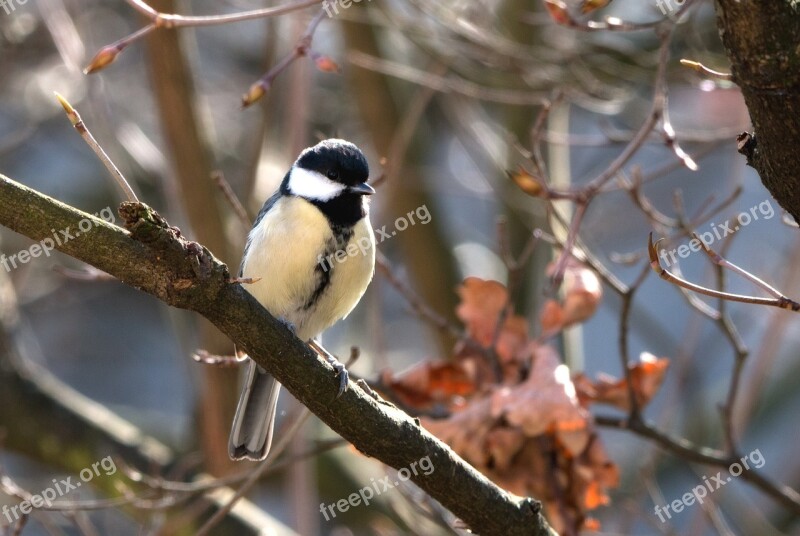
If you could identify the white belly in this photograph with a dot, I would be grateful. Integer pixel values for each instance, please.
(285, 250)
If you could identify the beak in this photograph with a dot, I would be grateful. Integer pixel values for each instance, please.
(363, 189)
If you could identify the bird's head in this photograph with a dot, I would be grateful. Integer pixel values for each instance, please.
(329, 170)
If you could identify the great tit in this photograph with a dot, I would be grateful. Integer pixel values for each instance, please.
(312, 252)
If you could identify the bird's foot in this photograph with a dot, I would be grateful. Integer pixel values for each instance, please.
(288, 325)
(341, 371)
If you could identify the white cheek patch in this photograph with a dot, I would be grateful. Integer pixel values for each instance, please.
(313, 185)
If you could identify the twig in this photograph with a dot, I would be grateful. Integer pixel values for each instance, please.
(695, 301)
(23, 520)
(622, 340)
(106, 55)
(723, 263)
(301, 49)
(726, 325)
(668, 132)
(700, 68)
(445, 84)
(536, 135)
(569, 243)
(644, 204)
(781, 302)
(109, 53)
(219, 179)
(79, 125)
(419, 307)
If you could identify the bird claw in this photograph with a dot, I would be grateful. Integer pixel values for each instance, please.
(288, 325)
(341, 373)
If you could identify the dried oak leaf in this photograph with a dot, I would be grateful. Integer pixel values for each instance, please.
(545, 402)
(466, 431)
(531, 435)
(647, 376)
(428, 383)
(582, 295)
(551, 317)
(481, 304)
(587, 6)
(558, 11)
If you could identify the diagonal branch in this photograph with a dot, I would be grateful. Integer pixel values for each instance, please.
(153, 257)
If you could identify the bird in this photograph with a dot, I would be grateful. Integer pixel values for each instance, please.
(309, 258)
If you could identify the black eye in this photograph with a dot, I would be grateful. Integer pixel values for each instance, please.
(333, 174)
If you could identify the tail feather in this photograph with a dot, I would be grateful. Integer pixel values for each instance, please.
(251, 436)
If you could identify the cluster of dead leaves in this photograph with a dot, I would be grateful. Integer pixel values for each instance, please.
(529, 430)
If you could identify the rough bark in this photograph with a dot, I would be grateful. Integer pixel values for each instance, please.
(761, 40)
(153, 257)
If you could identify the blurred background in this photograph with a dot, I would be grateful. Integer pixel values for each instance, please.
(443, 98)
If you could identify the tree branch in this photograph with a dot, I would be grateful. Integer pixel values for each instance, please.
(153, 257)
(761, 39)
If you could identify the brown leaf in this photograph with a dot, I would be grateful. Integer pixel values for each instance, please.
(427, 383)
(587, 6)
(582, 295)
(546, 401)
(465, 431)
(647, 376)
(551, 317)
(558, 11)
(527, 436)
(501, 446)
(481, 304)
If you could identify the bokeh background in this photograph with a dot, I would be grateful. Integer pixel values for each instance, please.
(442, 97)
